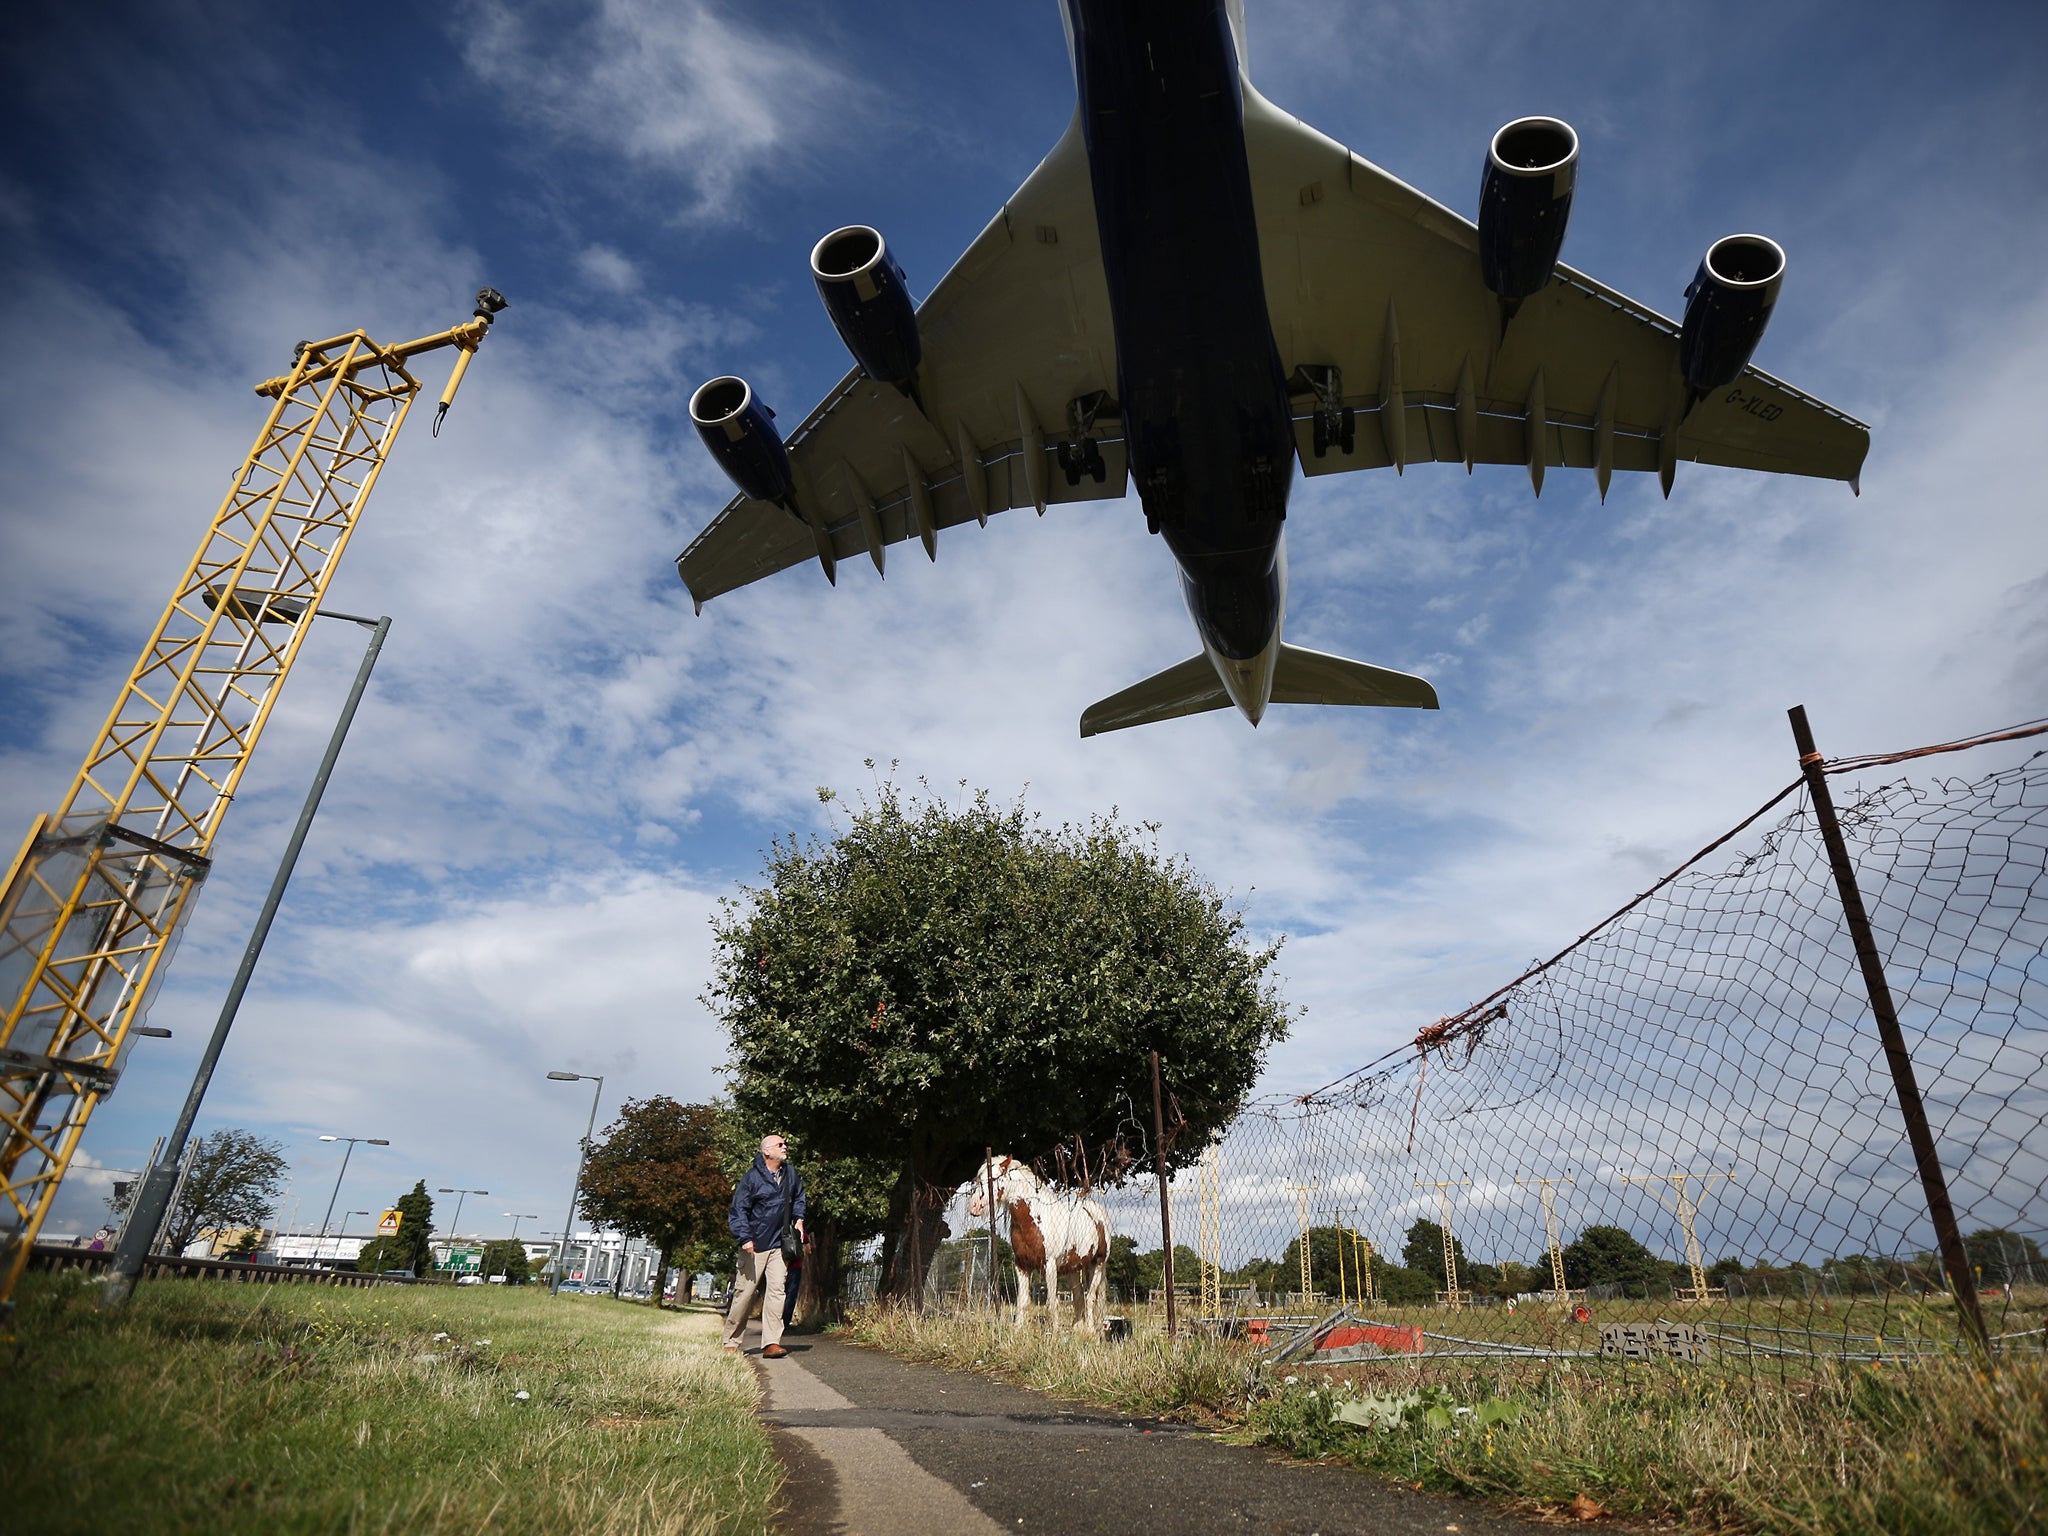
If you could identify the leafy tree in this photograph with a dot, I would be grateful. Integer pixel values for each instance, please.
(1121, 1275)
(1401, 1286)
(246, 1242)
(935, 980)
(415, 1253)
(1423, 1252)
(234, 1181)
(502, 1256)
(2003, 1257)
(1603, 1255)
(1187, 1269)
(658, 1174)
(1327, 1247)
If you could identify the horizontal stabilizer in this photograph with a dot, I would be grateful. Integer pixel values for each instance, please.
(1301, 677)
(1316, 677)
(1186, 688)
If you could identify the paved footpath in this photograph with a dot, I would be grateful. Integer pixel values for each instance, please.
(875, 1446)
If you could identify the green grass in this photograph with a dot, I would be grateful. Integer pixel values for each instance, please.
(219, 1409)
(1937, 1449)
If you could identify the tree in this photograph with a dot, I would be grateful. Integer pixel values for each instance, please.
(1423, 1251)
(502, 1256)
(657, 1174)
(2004, 1257)
(1610, 1256)
(936, 980)
(1121, 1272)
(233, 1181)
(415, 1253)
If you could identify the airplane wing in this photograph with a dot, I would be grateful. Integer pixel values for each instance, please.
(1367, 275)
(1012, 335)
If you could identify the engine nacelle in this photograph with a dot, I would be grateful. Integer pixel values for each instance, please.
(740, 432)
(1727, 307)
(1525, 197)
(869, 302)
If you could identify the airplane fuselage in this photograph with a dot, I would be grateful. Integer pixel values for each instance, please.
(1207, 423)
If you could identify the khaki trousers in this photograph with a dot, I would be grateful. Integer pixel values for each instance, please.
(755, 1271)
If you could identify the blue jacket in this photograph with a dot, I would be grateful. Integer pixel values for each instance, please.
(756, 1215)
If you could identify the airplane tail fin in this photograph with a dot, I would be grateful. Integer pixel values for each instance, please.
(1301, 677)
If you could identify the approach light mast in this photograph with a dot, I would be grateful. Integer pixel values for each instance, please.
(96, 895)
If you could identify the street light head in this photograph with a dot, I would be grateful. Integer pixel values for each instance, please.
(566, 1077)
(330, 1138)
(377, 1141)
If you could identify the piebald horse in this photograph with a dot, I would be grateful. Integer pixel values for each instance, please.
(1052, 1234)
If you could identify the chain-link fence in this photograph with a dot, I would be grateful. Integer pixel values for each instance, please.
(1682, 1135)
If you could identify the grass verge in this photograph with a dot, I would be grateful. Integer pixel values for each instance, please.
(1935, 1450)
(217, 1408)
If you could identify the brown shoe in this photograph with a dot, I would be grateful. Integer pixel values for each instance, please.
(773, 1352)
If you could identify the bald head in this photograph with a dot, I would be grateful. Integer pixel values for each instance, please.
(774, 1150)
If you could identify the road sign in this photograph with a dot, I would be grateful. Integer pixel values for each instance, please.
(387, 1224)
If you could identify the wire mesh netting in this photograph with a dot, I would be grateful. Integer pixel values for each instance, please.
(1678, 1137)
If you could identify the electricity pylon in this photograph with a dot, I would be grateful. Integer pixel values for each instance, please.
(1301, 1211)
(1688, 1210)
(1209, 1231)
(1450, 1296)
(1557, 1286)
(96, 896)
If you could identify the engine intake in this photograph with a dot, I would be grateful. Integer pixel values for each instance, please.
(740, 432)
(1727, 307)
(869, 301)
(1525, 197)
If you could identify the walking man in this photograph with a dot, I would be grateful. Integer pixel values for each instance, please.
(768, 1204)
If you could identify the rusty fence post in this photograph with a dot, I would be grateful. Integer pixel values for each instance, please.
(1954, 1258)
(1165, 1200)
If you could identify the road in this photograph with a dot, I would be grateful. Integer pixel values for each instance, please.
(876, 1447)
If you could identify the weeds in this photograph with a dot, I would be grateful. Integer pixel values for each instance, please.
(1938, 1449)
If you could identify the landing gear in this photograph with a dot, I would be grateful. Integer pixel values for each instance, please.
(1080, 454)
(1333, 425)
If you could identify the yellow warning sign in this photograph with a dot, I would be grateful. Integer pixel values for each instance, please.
(388, 1223)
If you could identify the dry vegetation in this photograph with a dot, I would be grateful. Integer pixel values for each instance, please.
(1931, 1450)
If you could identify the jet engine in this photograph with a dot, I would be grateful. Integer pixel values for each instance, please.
(740, 432)
(869, 302)
(1524, 199)
(1727, 307)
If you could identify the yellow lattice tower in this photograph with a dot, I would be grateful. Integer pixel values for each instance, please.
(1302, 1213)
(1362, 1254)
(1450, 1296)
(1209, 1231)
(1688, 1211)
(1557, 1286)
(96, 894)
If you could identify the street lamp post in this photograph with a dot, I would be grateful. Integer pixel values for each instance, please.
(153, 1198)
(583, 1153)
(455, 1226)
(374, 1141)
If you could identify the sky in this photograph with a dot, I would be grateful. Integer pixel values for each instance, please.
(559, 771)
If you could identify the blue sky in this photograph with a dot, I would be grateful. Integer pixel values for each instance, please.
(559, 770)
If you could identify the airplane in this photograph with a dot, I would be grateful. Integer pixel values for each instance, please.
(1195, 292)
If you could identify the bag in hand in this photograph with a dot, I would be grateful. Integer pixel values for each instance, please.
(792, 1245)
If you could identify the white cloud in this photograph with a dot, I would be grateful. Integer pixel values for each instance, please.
(682, 89)
(607, 269)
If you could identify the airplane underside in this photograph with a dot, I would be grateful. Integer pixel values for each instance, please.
(1112, 329)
